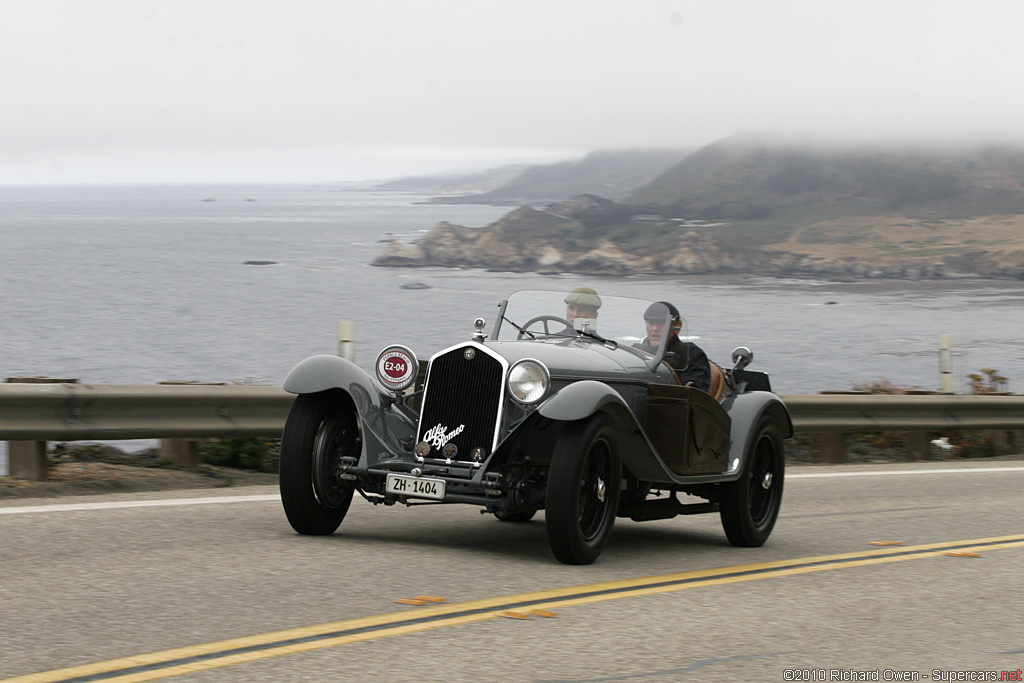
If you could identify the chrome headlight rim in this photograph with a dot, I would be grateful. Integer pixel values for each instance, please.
(545, 381)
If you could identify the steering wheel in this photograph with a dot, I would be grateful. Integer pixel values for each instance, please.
(544, 319)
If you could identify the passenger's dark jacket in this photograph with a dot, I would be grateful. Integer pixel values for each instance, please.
(686, 358)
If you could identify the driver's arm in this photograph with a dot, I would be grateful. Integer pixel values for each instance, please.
(697, 370)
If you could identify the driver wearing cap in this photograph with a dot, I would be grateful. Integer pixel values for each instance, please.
(686, 358)
(581, 302)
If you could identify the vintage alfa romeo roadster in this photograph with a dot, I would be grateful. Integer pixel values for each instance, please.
(540, 414)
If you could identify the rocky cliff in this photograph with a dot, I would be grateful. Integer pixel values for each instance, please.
(557, 240)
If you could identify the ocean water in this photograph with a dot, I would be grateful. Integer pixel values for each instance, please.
(141, 284)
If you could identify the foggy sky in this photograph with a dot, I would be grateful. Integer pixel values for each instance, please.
(279, 90)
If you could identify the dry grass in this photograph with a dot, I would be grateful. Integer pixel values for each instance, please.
(889, 239)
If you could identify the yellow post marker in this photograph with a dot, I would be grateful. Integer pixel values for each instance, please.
(347, 340)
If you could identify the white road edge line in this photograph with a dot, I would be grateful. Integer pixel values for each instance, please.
(888, 473)
(114, 505)
(178, 502)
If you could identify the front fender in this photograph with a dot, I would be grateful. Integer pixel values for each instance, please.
(579, 400)
(582, 399)
(323, 372)
(385, 431)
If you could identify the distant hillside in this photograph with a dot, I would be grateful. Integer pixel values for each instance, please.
(753, 207)
(608, 174)
(454, 183)
(771, 190)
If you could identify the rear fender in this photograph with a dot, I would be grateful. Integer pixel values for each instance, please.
(745, 412)
(583, 399)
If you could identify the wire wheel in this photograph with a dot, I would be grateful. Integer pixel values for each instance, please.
(335, 439)
(763, 492)
(321, 429)
(583, 490)
(750, 505)
(593, 493)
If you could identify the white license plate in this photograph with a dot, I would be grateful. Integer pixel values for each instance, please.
(418, 487)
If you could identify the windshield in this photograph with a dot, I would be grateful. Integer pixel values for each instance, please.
(584, 315)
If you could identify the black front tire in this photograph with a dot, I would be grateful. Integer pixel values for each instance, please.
(582, 494)
(750, 505)
(320, 430)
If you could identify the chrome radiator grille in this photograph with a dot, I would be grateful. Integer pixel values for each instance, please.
(461, 403)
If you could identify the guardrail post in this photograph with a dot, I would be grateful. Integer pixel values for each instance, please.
(27, 459)
(182, 452)
(1002, 442)
(833, 447)
(918, 445)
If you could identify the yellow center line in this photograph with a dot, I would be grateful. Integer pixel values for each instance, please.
(204, 657)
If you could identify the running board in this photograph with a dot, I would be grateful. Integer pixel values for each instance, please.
(663, 508)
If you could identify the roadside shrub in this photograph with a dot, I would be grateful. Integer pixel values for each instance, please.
(987, 381)
(243, 453)
(882, 386)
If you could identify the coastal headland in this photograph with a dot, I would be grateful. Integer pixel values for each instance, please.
(754, 207)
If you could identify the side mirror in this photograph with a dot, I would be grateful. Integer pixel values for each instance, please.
(741, 358)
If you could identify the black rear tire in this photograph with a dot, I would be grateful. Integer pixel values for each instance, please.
(320, 430)
(582, 494)
(750, 505)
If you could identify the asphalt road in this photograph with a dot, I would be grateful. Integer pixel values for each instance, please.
(99, 578)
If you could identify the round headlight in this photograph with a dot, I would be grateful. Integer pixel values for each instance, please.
(528, 381)
(397, 367)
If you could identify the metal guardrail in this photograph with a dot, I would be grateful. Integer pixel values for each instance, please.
(875, 412)
(76, 412)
